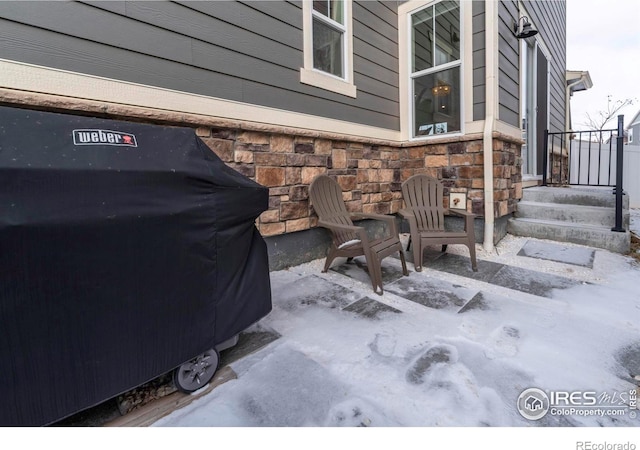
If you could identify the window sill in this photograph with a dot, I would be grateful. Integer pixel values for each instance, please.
(444, 137)
(327, 82)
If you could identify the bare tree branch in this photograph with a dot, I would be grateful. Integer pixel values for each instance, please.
(600, 119)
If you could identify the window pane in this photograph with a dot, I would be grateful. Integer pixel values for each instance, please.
(330, 8)
(447, 32)
(437, 103)
(422, 40)
(322, 6)
(327, 49)
(441, 23)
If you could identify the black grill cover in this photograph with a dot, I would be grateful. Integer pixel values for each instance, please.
(125, 250)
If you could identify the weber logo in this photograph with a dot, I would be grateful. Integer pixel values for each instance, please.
(104, 137)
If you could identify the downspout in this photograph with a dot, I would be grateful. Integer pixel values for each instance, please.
(491, 52)
(567, 117)
(567, 105)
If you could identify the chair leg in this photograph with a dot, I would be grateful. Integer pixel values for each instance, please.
(331, 255)
(472, 255)
(375, 273)
(417, 255)
(404, 263)
(409, 243)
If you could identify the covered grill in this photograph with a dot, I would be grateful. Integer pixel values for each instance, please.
(125, 250)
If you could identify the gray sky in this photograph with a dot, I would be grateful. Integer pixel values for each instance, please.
(603, 37)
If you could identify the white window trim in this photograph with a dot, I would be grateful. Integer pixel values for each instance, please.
(318, 78)
(406, 75)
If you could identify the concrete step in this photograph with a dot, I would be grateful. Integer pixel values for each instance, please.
(584, 196)
(577, 233)
(591, 215)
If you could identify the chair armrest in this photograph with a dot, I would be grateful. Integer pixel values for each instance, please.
(468, 217)
(334, 227)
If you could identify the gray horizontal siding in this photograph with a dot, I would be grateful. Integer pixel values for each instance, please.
(117, 6)
(365, 14)
(368, 33)
(246, 16)
(549, 18)
(96, 25)
(273, 9)
(385, 10)
(479, 61)
(242, 51)
(508, 64)
(385, 65)
(635, 132)
(34, 45)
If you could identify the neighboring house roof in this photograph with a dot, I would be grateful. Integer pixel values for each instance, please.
(634, 121)
(578, 80)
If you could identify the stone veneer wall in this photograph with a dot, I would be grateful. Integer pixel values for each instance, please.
(286, 160)
(559, 168)
(370, 175)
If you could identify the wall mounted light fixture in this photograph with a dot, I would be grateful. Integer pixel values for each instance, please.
(523, 28)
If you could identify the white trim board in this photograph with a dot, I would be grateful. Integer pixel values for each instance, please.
(45, 80)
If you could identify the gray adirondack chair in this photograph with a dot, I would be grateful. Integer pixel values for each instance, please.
(425, 211)
(349, 240)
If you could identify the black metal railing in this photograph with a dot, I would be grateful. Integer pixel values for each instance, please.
(586, 158)
(580, 158)
(619, 164)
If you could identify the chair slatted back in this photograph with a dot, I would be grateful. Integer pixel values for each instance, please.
(424, 195)
(327, 201)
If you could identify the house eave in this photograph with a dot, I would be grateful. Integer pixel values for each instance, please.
(578, 80)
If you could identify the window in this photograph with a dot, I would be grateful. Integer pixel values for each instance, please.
(436, 69)
(328, 36)
(630, 135)
(328, 46)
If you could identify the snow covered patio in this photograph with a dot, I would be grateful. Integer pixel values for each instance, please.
(444, 347)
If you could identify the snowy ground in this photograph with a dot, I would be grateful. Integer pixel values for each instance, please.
(413, 370)
(415, 366)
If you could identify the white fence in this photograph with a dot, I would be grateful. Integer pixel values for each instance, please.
(594, 164)
(631, 174)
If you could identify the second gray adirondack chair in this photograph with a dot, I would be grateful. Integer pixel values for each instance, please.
(425, 211)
